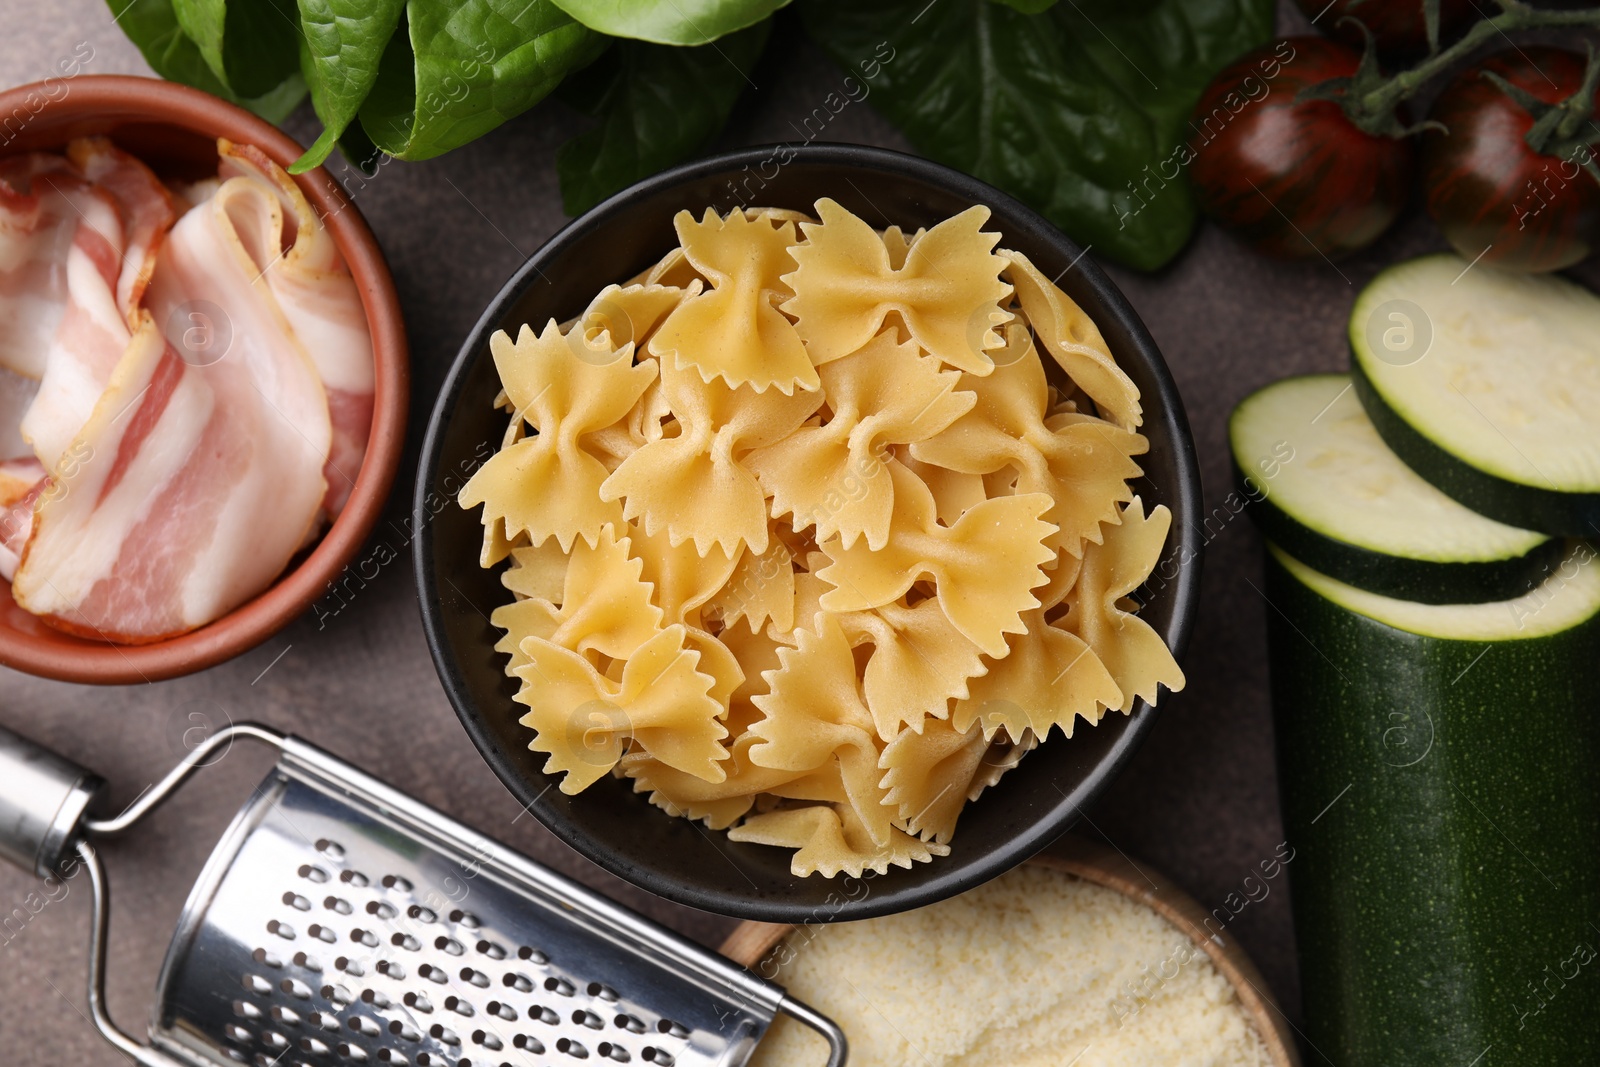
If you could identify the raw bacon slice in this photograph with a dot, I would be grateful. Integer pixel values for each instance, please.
(147, 207)
(201, 481)
(318, 296)
(21, 482)
(92, 332)
(36, 230)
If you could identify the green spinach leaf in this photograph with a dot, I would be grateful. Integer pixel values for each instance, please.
(250, 45)
(152, 26)
(687, 22)
(343, 42)
(456, 70)
(656, 104)
(1080, 111)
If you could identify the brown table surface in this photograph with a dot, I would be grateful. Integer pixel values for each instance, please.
(1199, 801)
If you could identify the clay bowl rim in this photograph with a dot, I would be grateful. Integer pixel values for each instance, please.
(624, 833)
(103, 104)
(751, 942)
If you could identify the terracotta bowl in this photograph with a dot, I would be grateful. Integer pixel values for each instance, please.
(174, 129)
(751, 942)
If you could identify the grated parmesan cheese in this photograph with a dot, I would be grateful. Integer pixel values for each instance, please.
(1034, 969)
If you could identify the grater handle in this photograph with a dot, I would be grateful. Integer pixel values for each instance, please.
(151, 798)
(43, 799)
(838, 1045)
(99, 924)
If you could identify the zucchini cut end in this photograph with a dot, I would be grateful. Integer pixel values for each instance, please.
(1568, 597)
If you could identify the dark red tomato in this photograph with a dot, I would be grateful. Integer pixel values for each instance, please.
(1397, 26)
(1488, 189)
(1294, 179)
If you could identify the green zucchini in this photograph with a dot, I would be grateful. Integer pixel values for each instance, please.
(1488, 385)
(1440, 782)
(1324, 486)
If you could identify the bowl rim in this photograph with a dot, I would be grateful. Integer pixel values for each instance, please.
(134, 99)
(1100, 863)
(1186, 542)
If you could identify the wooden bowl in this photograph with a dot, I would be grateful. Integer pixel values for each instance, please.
(1103, 865)
(174, 129)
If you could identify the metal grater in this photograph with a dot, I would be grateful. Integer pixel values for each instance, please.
(339, 921)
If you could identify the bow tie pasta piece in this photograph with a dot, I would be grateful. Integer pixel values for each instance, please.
(539, 572)
(1048, 679)
(623, 315)
(1073, 339)
(681, 579)
(1134, 653)
(833, 476)
(694, 485)
(548, 485)
(735, 332)
(948, 292)
(831, 839)
(1004, 754)
(927, 776)
(582, 719)
(605, 606)
(814, 714)
(920, 662)
(983, 566)
(760, 590)
(1083, 464)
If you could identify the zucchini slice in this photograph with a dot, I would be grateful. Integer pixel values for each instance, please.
(1488, 385)
(1438, 767)
(1322, 484)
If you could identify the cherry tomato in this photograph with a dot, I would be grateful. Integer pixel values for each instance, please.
(1489, 191)
(1398, 27)
(1293, 178)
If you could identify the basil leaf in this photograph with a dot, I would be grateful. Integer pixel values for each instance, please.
(250, 45)
(343, 42)
(1030, 7)
(687, 22)
(152, 26)
(455, 71)
(1080, 111)
(657, 105)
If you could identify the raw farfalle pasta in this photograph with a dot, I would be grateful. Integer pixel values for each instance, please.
(804, 539)
(947, 293)
(885, 394)
(735, 332)
(1074, 341)
(982, 567)
(695, 484)
(549, 484)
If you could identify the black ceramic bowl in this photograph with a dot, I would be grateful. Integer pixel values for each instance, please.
(609, 823)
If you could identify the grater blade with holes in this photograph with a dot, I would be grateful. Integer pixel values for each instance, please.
(340, 921)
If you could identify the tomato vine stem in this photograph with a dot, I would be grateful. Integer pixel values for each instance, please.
(1372, 106)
